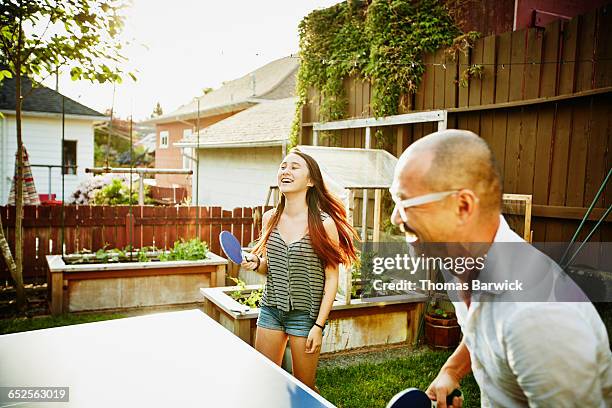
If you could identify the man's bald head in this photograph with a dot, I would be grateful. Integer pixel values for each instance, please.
(457, 159)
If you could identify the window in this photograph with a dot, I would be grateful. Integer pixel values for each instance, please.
(188, 158)
(70, 157)
(187, 133)
(163, 139)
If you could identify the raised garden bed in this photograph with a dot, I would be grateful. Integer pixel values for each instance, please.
(126, 285)
(359, 324)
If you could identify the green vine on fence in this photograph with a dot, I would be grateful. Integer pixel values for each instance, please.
(381, 41)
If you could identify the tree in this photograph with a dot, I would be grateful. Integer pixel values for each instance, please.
(157, 111)
(85, 40)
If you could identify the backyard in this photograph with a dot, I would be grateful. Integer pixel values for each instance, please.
(138, 244)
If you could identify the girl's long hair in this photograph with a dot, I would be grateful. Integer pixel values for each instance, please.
(319, 199)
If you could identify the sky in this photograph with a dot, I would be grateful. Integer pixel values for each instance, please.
(183, 46)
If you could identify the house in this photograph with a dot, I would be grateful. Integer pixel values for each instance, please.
(147, 142)
(275, 80)
(239, 156)
(42, 137)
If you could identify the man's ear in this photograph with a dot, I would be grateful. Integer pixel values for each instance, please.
(466, 204)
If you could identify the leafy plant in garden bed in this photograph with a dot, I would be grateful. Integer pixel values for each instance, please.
(250, 299)
(192, 250)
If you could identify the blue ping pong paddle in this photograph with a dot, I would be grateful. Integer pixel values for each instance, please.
(231, 247)
(415, 398)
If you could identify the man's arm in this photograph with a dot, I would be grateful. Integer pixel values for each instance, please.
(557, 353)
(456, 367)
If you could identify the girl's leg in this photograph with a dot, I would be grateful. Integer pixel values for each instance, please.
(271, 343)
(304, 364)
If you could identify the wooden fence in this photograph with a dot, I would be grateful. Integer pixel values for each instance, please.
(543, 103)
(94, 227)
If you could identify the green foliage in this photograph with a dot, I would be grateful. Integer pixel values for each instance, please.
(250, 299)
(473, 71)
(381, 41)
(441, 309)
(192, 250)
(116, 193)
(115, 146)
(142, 255)
(83, 37)
(440, 313)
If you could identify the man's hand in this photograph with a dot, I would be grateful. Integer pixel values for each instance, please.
(442, 386)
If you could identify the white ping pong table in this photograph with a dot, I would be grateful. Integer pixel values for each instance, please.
(174, 359)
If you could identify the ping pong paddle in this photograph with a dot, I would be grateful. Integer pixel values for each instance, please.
(231, 247)
(415, 398)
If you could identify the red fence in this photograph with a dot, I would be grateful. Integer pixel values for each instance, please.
(94, 227)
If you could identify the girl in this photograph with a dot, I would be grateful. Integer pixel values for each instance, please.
(303, 240)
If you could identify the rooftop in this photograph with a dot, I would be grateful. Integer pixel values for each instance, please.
(265, 124)
(274, 80)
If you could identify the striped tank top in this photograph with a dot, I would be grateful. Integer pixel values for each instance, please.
(296, 276)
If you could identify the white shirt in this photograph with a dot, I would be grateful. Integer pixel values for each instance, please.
(537, 354)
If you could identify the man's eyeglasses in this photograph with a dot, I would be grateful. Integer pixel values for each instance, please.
(401, 205)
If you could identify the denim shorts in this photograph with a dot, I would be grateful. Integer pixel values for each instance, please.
(294, 322)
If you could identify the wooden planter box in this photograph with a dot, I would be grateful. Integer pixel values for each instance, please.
(360, 324)
(125, 285)
(442, 333)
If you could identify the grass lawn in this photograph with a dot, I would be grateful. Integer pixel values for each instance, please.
(371, 384)
(21, 324)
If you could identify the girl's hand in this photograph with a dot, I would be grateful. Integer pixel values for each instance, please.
(315, 338)
(251, 263)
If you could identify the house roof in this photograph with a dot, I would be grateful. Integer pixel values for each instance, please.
(274, 80)
(41, 100)
(265, 124)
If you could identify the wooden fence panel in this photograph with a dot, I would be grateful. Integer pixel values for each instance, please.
(475, 88)
(502, 70)
(586, 51)
(30, 236)
(569, 48)
(488, 71)
(439, 79)
(598, 160)
(543, 154)
(578, 154)
(463, 91)
(533, 63)
(603, 50)
(550, 59)
(97, 230)
(527, 151)
(110, 226)
(148, 228)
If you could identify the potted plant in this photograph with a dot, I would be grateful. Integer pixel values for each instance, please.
(441, 328)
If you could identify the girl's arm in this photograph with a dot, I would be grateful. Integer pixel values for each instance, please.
(313, 343)
(263, 261)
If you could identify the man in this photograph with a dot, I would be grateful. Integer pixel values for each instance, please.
(537, 353)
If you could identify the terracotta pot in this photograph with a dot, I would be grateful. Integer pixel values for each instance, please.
(442, 333)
